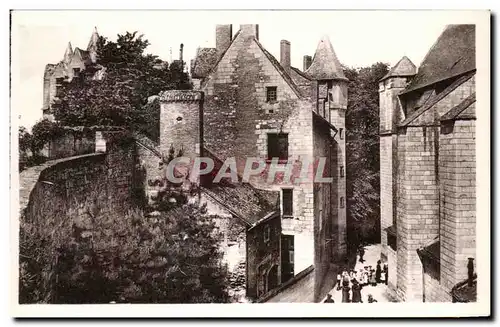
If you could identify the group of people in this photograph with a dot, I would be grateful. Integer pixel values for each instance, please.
(351, 282)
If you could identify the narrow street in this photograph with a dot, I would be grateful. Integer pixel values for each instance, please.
(379, 292)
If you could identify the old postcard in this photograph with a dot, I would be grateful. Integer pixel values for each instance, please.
(250, 163)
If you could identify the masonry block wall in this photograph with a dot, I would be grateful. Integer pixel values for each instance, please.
(418, 205)
(75, 189)
(263, 258)
(237, 119)
(181, 124)
(325, 213)
(390, 115)
(458, 206)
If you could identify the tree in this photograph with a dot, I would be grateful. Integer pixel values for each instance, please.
(172, 257)
(363, 154)
(121, 97)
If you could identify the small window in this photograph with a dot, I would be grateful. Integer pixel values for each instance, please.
(277, 146)
(267, 233)
(342, 202)
(76, 72)
(287, 200)
(271, 94)
(342, 172)
(341, 133)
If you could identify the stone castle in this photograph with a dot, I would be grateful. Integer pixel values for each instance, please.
(71, 66)
(428, 166)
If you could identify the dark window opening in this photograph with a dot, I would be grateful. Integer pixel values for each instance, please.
(342, 202)
(342, 173)
(59, 81)
(341, 133)
(76, 72)
(287, 257)
(287, 198)
(271, 94)
(277, 146)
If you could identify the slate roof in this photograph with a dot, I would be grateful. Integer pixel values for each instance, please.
(325, 64)
(244, 201)
(453, 54)
(204, 61)
(455, 112)
(438, 97)
(404, 68)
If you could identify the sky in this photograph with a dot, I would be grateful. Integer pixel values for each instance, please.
(359, 38)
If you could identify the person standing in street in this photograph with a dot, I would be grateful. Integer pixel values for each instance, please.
(361, 251)
(339, 279)
(356, 292)
(345, 293)
(378, 272)
(386, 273)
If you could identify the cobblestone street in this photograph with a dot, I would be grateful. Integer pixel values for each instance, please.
(379, 292)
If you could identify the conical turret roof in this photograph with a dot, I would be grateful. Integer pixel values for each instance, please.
(68, 53)
(93, 40)
(403, 68)
(325, 64)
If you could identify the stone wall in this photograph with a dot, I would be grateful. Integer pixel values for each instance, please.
(458, 200)
(326, 239)
(263, 258)
(418, 205)
(78, 188)
(181, 124)
(434, 290)
(72, 143)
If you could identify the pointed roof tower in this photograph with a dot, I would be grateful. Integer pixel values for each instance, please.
(404, 68)
(92, 46)
(325, 64)
(68, 54)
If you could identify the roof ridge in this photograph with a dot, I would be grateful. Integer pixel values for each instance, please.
(436, 99)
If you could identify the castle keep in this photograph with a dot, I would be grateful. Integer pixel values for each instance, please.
(428, 166)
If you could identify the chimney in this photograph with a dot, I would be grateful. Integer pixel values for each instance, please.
(285, 55)
(181, 50)
(223, 37)
(250, 30)
(307, 63)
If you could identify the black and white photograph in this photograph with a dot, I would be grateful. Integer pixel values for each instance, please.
(249, 158)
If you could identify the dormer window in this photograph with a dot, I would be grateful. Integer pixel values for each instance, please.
(271, 94)
(76, 72)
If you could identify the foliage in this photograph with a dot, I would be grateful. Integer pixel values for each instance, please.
(362, 151)
(172, 257)
(131, 77)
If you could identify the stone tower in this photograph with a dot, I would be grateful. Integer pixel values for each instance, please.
(331, 103)
(181, 122)
(391, 113)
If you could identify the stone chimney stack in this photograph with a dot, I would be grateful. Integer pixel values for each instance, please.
(285, 55)
(250, 30)
(223, 37)
(181, 50)
(306, 63)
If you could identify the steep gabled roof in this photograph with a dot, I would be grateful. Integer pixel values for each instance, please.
(455, 112)
(280, 69)
(404, 68)
(204, 61)
(269, 56)
(84, 55)
(453, 54)
(325, 64)
(438, 97)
